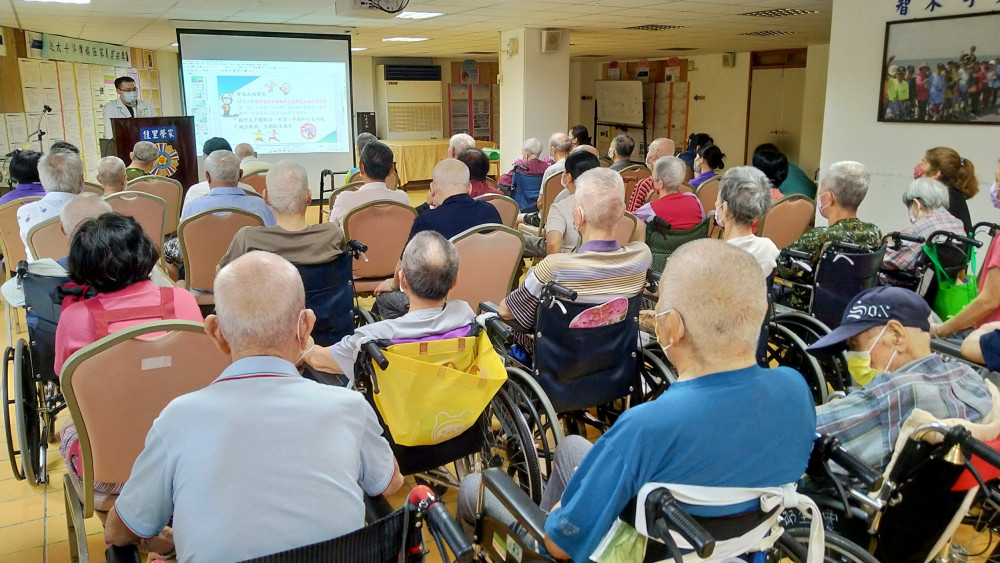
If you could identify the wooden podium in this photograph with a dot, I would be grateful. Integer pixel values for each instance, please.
(173, 135)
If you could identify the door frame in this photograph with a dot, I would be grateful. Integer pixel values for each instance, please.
(764, 60)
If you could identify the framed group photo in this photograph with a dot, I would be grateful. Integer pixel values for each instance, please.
(941, 70)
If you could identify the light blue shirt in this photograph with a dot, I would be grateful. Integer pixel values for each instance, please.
(230, 197)
(260, 461)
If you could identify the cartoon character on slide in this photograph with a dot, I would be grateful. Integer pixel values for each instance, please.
(227, 104)
(273, 137)
(285, 88)
(270, 86)
(258, 136)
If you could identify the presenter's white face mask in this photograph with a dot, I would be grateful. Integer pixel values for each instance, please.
(130, 97)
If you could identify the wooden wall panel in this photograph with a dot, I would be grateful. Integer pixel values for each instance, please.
(11, 100)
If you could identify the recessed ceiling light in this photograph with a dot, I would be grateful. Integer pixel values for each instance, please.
(406, 39)
(418, 15)
(780, 13)
(61, 1)
(768, 33)
(654, 27)
(359, 48)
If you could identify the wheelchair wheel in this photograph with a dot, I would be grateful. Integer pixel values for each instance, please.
(362, 316)
(784, 348)
(791, 548)
(508, 443)
(12, 454)
(31, 423)
(810, 330)
(655, 372)
(539, 415)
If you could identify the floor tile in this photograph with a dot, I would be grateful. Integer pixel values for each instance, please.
(22, 510)
(20, 537)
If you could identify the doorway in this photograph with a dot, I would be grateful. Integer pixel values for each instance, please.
(777, 94)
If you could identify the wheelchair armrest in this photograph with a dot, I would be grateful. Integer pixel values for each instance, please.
(949, 348)
(122, 554)
(516, 502)
(508, 325)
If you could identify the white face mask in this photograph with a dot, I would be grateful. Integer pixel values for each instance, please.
(562, 181)
(130, 97)
(913, 217)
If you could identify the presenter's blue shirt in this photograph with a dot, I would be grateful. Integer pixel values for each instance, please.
(752, 427)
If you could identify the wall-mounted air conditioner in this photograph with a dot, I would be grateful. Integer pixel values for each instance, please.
(408, 102)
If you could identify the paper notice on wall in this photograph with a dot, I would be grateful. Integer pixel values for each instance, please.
(71, 127)
(31, 73)
(34, 99)
(67, 86)
(52, 99)
(17, 129)
(49, 74)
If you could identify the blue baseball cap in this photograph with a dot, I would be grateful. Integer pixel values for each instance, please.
(875, 307)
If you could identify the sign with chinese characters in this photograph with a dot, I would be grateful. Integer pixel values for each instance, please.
(157, 134)
(60, 48)
(903, 6)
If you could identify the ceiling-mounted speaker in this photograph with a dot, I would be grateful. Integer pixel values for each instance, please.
(729, 60)
(550, 41)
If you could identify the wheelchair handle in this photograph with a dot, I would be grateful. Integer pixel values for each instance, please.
(957, 238)
(440, 520)
(496, 325)
(375, 353)
(553, 288)
(796, 254)
(22, 268)
(662, 508)
(895, 238)
(991, 228)
(848, 246)
(961, 436)
(853, 464)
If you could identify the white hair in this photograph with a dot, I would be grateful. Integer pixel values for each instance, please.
(931, 193)
(287, 186)
(145, 152)
(61, 171)
(81, 208)
(601, 194)
(451, 175)
(746, 191)
(223, 166)
(848, 181)
(533, 146)
(248, 322)
(111, 172)
(460, 142)
(560, 142)
(243, 150)
(670, 170)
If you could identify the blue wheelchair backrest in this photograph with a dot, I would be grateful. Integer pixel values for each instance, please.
(839, 277)
(524, 188)
(43, 297)
(330, 294)
(585, 367)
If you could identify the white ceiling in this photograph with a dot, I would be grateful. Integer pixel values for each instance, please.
(596, 27)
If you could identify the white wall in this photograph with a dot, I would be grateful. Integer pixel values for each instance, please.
(170, 86)
(583, 76)
(362, 84)
(817, 65)
(890, 150)
(723, 112)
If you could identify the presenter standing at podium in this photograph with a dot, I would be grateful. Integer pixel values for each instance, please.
(126, 105)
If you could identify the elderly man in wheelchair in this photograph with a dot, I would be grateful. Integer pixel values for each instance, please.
(709, 332)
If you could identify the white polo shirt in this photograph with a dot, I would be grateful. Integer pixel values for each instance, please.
(260, 461)
(31, 214)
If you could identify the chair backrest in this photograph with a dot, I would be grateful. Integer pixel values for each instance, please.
(330, 294)
(355, 177)
(149, 210)
(839, 277)
(351, 187)
(167, 188)
(493, 183)
(788, 220)
(524, 188)
(10, 233)
(506, 206)
(626, 228)
(685, 188)
(708, 192)
(490, 260)
(46, 240)
(663, 241)
(205, 237)
(256, 180)
(585, 366)
(93, 188)
(550, 190)
(385, 227)
(632, 175)
(117, 386)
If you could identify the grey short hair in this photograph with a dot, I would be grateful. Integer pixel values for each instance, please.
(601, 194)
(460, 142)
(932, 193)
(249, 322)
(624, 145)
(363, 140)
(848, 181)
(61, 171)
(533, 146)
(560, 142)
(223, 166)
(287, 185)
(717, 316)
(746, 191)
(430, 265)
(81, 208)
(670, 170)
(145, 152)
(111, 172)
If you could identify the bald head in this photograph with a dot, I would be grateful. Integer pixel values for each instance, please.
(79, 209)
(717, 317)
(588, 148)
(244, 150)
(560, 145)
(249, 323)
(658, 149)
(451, 177)
(601, 194)
(222, 168)
(111, 174)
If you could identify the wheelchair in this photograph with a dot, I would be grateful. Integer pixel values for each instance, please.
(911, 512)
(28, 368)
(952, 252)
(664, 240)
(394, 538)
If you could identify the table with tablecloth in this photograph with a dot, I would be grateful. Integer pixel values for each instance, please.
(416, 159)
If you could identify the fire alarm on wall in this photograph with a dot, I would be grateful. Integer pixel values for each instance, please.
(550, 41)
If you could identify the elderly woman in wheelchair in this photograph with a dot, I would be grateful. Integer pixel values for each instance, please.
(709, 332)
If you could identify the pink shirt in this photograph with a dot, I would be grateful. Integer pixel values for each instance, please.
(76, 325)
(992, 262)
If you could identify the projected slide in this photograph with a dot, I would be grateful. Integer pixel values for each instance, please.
(277, 106)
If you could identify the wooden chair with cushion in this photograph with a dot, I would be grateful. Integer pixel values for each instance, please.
(708, 192)
(351, 187)
(506, 206)
(149, 210)
(391, 181)
(205, 238)
(46, 240)
(168, 189)
(10, 234)
(632, 175)
(94, 188)
(114, 389)
(788, 220)
(489, 264)
(493, 183)
(256, 180)
(550, 189)
(626, 228)
(385, 227)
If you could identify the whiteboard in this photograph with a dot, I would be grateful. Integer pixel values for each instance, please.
(619, 102)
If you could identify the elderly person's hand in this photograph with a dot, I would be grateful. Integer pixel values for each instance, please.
(385, 286)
